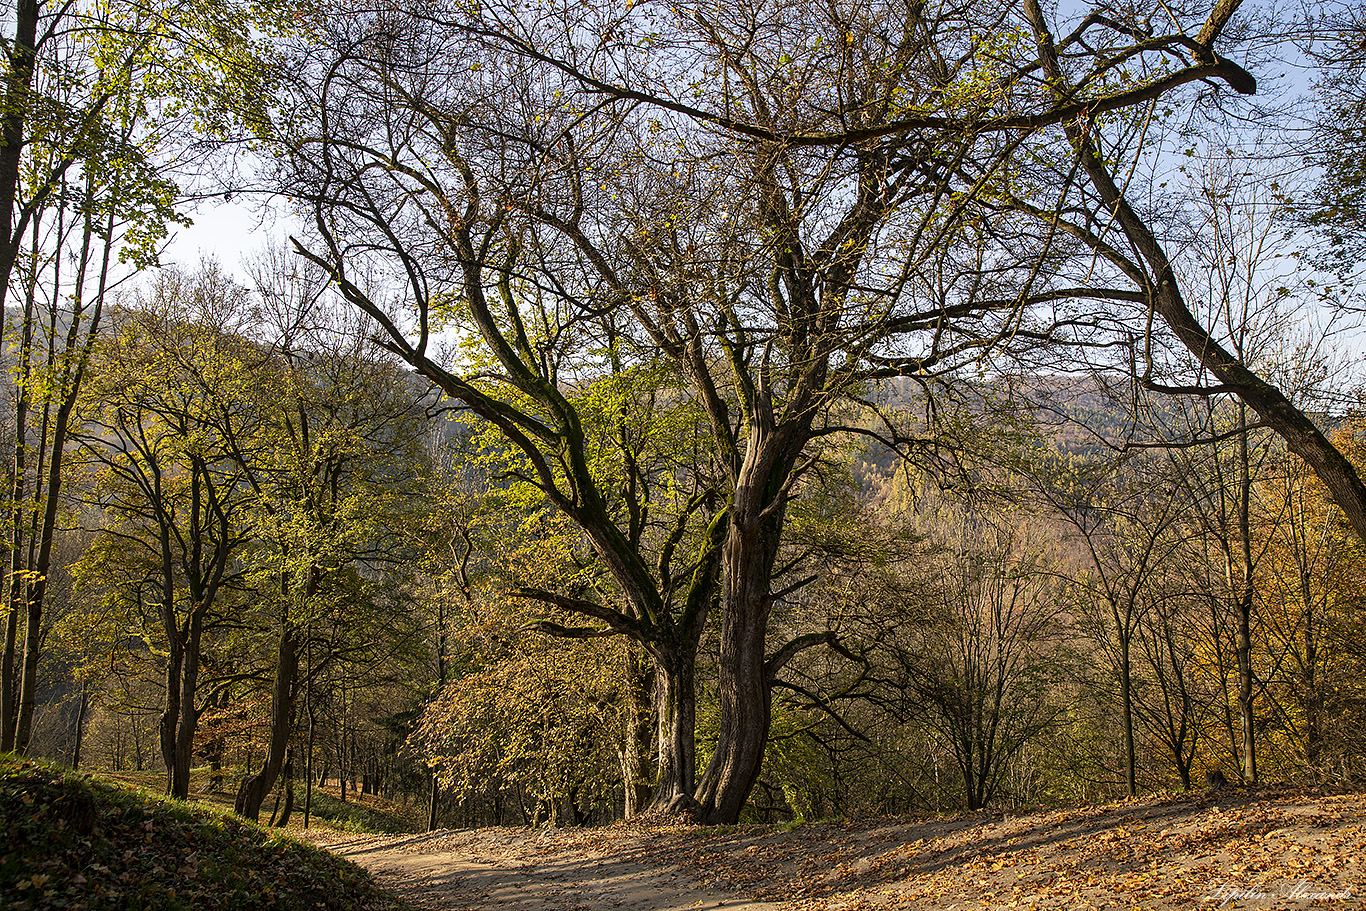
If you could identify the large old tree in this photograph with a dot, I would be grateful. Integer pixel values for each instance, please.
(784, 202)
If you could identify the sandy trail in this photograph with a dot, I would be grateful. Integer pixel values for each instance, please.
(1289, 850)
(521, 870)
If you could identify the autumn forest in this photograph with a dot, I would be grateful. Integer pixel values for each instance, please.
(755, 412)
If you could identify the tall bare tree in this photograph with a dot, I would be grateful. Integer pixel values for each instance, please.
(778, 199)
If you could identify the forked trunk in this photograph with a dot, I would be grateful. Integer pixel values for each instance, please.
(180, 719)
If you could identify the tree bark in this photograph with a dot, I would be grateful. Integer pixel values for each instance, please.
(80, 727)
(675, 714)
(281, 819)
(1126, 692)
(170, 716)
(254, 788)
(637, 735)
(753, 536)
(76, 356)
(189, 716)
(28, 681)
(8, 694)
(742, 679)
(1312, 700)
(1247, 728)
(9, 677)
(308, 757)
(13, 116)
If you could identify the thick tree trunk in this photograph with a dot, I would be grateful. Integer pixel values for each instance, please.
(742, 678)
(757, 512)
(638, 736)
(254, 788)
(675, 713)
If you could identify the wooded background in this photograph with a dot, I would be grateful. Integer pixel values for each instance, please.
(798, 410)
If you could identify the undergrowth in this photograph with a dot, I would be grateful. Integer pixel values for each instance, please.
(72, 841)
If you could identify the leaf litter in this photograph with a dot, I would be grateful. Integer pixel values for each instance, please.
(1287, 848)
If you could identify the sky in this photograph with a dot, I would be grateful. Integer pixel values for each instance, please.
(229, 232)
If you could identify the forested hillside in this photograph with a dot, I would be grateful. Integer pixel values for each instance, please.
(796, 411)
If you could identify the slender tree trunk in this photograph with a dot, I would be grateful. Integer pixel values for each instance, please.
(13, 116)
(28, 682)
(80, 727)
(170, 716)
(8, 693)
(971, 788)
(74, 358)
(1244, 603)
(1126, 693)
(1313, 699)
(288, 787)
(9, 677)
(14, 111)
(341, 750)
(433, 801)
(308, 759)
(254, 788)
(189, 717)
(1245, 692)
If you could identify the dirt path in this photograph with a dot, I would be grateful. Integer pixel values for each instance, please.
(522, 870)
(1290, 850)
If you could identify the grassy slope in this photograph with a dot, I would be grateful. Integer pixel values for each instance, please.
(72, 841)
(358, 813)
